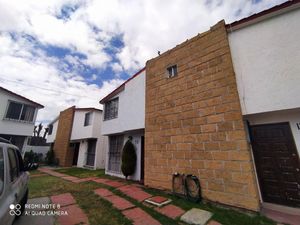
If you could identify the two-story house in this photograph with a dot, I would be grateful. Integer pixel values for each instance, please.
(75, 137)
(17, 117)
(265, 52)
(124, 116)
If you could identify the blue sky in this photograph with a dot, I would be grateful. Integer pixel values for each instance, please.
(74, 52)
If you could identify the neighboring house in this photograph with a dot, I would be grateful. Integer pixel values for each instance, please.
(76, 138)
(124, 116)
(17, 117)
(266, 54)
(200, 106)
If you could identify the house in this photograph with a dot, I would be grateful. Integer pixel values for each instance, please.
(223, 106)
(124, 116)
(265, 51)
(18, 115)
(75, 137)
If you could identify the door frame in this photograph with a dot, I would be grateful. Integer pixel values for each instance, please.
(292, 139)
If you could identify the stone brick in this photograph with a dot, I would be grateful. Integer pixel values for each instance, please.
(194, 122)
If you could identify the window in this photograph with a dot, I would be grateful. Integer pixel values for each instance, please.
(50, 127)
(111, 109)
(87, 119)
(1, 171)
(115, 152)
(19, 111)
(172, 71)
(13, 165)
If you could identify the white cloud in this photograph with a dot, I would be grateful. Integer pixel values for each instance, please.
(146, 27)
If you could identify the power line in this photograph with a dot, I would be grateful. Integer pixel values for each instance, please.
(46, 89)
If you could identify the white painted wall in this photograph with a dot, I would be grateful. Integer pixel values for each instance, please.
(79, 131)
(82, 153)
(10, 126)
(131, 111)
(51, 137)
(136, 140)
(266, 60)
(291, 116)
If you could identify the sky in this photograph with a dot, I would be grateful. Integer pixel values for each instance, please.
(61, 53)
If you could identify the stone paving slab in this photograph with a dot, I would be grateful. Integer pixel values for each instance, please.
(135, 192)
(213, 222)
(69, 178)
(196, 216)
(115, 184)
(118, 202)
(140, 217)
(63, 199)
(101, 180)
(75, 216)
(170, 211)
(103, 192)
(80, 180)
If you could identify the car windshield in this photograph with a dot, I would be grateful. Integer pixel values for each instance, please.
(1, 170)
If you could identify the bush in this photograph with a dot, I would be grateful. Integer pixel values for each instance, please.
(128, 159)
(32, 157)
(50, 157)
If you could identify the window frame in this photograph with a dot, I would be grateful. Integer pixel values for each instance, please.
(87, 122)
(115, 149)
(172, 71)
(4, 171)
(114, 111)
(50, 127)
(21, 112)
(13, 178)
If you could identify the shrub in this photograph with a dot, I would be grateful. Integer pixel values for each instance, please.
(128, 159)
(50, 157)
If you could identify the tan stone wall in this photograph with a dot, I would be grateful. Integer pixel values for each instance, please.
(63, 134)
(194, 122)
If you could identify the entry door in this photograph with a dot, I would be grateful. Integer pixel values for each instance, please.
(91, 152)
(277, 163)
(142, 158)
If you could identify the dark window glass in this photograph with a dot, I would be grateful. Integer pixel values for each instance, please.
(50, 129)
(111, 109)
(172, 71)
(115, 152)
(27, 113)
(1, 171)
(14, 110)
(13, 165)
(19, 111)
(20, 161)
(87, 119)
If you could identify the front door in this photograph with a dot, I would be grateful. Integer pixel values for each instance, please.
(277, 163)
(91, 152)
(75, 155)
(142, 158)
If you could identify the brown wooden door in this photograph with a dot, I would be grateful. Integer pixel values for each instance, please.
(277, 163)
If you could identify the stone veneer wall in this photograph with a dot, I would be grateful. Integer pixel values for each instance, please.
(62, 139)
(194, 122)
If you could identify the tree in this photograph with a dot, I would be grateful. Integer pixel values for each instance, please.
(128, 158)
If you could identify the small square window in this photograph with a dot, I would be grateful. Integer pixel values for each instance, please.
(172, 71)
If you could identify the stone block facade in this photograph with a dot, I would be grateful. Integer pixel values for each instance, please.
(194, 123)
(61, 145)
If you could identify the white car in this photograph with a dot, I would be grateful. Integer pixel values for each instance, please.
(13, 183)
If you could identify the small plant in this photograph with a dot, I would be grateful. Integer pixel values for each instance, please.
(128, 158)
(50, 157)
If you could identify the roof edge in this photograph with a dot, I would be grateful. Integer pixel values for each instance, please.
(22, 97)
(120, 88)
(263, 15)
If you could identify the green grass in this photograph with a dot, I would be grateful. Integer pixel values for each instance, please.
(101, 211)
(80, 172)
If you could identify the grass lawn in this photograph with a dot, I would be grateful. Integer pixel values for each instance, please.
(100, 211)
(80, 172)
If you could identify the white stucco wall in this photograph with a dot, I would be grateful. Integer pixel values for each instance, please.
(291, 116)
(266, 60)
(79, 131)
(136, 140)
(10, 126)
(131, 111)
(82, 153)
